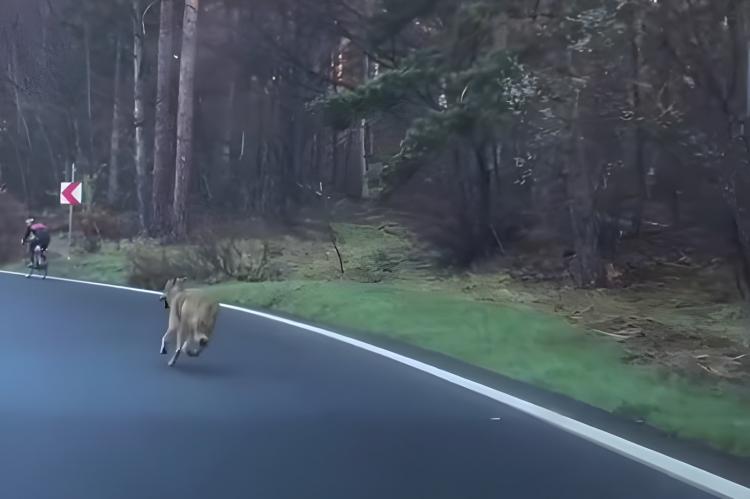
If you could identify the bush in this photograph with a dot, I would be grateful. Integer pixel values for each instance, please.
(98, 225)
(209, 261)
(11, 228)
(227, 259)
(151, 268)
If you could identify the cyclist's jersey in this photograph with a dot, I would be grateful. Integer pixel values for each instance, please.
(36, 229)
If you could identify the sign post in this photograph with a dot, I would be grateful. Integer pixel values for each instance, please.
(70, 212)
(71, 194)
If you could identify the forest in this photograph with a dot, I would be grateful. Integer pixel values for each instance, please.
(489, 119)
(590, 152)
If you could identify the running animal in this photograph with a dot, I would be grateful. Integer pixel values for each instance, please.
(192, 317)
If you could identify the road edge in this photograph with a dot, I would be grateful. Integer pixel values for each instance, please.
(679, 470)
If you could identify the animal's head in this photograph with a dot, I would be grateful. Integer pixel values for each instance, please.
(203, 311)
(198, 344)
(173, 286)
(204, 338)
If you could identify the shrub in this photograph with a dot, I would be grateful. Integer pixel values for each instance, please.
(11, 227)
(228, 259)
(98, 225)
(150, 268)
(208, 261)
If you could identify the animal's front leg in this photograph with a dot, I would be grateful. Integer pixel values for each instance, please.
(190, 345)
(175, 357)
(178, 350)
(165, 339)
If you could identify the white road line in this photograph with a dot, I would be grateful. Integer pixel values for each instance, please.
(675, 468)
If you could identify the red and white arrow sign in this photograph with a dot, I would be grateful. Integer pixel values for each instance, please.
(71, 193)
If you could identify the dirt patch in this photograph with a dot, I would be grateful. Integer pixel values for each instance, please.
(676, 308)
(689, 350)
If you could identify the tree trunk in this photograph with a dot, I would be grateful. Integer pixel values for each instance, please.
(164, 129)
(335, 175)
(365, 188)
(89, 101)
(352, 171)
(224, 171)
(638, 135)
(22, 174)
(364, 191)
(138, 119)
(360, 183)
(77, 150)
(185, 107)
(357, 186)
(54, 172)
(22, 125)
(483, 216)
(587, 268)
(225, 152)
(113, 185)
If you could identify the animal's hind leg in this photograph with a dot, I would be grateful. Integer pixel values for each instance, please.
(165, 339)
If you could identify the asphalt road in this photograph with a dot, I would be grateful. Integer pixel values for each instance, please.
(89, 410)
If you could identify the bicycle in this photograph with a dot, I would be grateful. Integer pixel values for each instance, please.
(39, 262)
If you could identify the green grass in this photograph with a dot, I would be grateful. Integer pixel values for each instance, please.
(522, 344)
(108, 266)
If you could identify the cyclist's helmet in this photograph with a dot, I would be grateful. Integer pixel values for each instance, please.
(30, 220)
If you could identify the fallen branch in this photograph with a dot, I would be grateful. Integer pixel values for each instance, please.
(625, 334)
(710, 370)
(613, 335)
(497, 240)
(579, 313)
(676, 265)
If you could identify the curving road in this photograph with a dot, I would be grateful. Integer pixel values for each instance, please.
(89, 410)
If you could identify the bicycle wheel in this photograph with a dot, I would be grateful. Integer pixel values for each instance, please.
(43, 264)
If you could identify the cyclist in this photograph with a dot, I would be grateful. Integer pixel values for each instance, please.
(36, 234)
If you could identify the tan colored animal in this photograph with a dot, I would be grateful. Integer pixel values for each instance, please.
(192, 317)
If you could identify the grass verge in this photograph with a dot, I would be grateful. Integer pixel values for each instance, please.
(108, 266)
(522, 344)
